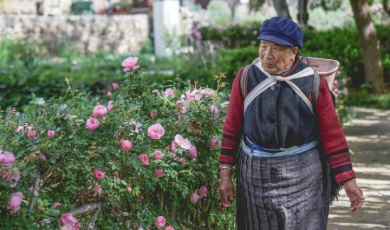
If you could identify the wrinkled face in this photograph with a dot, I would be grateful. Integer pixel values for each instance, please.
(276, 58)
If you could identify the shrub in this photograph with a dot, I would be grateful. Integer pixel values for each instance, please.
(339, 43)
(141, 161)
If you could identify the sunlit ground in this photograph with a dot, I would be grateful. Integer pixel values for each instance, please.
(369, 137)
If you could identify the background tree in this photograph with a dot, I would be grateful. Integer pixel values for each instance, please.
(386, 6)
(373, 68)
(281, 8)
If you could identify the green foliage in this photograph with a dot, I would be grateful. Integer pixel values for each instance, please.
(66, 162)
(240, 47)
(364, 99)
(26, 69)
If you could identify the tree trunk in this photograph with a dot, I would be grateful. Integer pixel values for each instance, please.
(373, 68)
(281, 8)
(232, 6)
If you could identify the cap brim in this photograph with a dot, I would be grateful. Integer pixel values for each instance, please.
(274, 39)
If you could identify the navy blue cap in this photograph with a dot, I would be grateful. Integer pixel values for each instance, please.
(281, 31)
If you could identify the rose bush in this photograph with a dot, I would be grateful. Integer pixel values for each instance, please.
(116, 167)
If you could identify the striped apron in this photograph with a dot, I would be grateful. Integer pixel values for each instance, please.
(281, 193)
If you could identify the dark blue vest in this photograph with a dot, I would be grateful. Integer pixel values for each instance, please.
(278, 118)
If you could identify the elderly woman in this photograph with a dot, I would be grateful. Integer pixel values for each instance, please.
(294, 156)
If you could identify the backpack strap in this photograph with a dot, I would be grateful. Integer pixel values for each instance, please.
(315, 90)
(244, 80)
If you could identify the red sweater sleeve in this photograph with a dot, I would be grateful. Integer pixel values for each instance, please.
(332, 136)
(232, 128)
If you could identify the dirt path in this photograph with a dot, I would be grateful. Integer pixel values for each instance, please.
(369, 137)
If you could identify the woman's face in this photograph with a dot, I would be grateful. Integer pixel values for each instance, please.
(276, 58)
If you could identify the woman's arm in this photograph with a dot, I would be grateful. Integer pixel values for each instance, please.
(332, 136)
(232, 128)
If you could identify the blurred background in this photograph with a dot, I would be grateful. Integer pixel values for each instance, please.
(44, 42)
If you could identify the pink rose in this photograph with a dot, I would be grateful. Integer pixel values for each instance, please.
(209, 93)
(115, 85)
(42, 157)
(110, 105)
(126, 145)
(67, 219)
(225, 205)
(203, 191)
(55, 205)
(13, 175)
(167, 148)
(19, 129)
(345, 91)
(92, 123)
(35, 192)
(194, 198)
(157, 155)
(98, 173)
(99, 111)
(40, 207)
(173, 145)
(335, 84)
(156, 131)
(15, 201)
(128, 189)
(97, 190)
(31, 134)
(345, 80)
(159, 173)
(130, 64)
(169, 92)
(183, 143)
(225, 104)
(116, 174)
(152, 114)
(180, 117)
(213, 109)
(77, 226)
(144, 159)
(51, 133)
(214, 143)
(169, 228)
(160, 222)
(192, 152)
(7, 157)
(109, 94)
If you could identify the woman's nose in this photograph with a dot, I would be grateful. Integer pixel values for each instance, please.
(268, 53)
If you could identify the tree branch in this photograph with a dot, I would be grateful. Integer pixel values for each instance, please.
(32, 201)
(386, 6)
(91, 225)
(86, 208)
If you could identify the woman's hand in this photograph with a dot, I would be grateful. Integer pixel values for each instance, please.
(354, 194)
(226, 188)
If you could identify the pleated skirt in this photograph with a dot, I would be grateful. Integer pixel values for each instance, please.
(282, 193)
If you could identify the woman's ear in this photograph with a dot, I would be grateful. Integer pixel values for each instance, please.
(295, 51)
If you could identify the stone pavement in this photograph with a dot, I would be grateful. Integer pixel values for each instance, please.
(368, 136)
